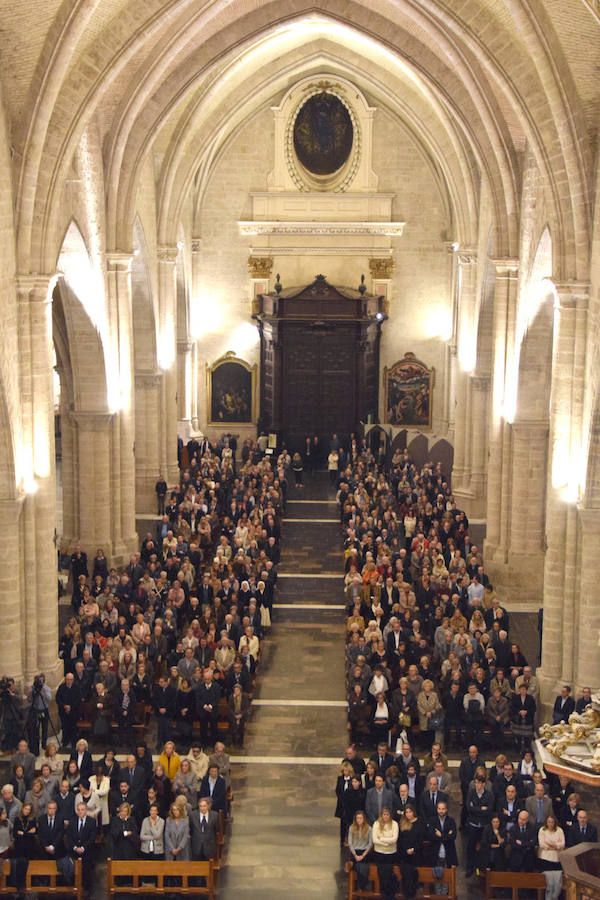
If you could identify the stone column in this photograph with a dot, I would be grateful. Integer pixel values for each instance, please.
(38, 464)
(527, 511)
(184, 383)
(12, 613)
(94, 486)
(167, 287)
(480, 389)
(566, 414)
(505, 292)
(147, 438)
(467, 351)
(588, 652)
(70, 498)
(119, 286)
(194, 389)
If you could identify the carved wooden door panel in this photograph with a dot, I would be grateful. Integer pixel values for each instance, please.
(318, 381)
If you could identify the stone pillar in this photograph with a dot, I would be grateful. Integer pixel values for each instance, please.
(194, 388)
(527, 510)
(147, 438)
(94, 486)
(505, 292)
(588, 652)
(184, 383)
(480, 389)
(38, 464)
(167, 295)
(566, 414)
(467, 354)
(12, 613)
(120, 301)
(70, 497)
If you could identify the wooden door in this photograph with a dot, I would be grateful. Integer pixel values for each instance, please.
(318, 384)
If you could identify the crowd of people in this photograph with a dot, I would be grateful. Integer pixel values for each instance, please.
(162, 650)
(430, 660)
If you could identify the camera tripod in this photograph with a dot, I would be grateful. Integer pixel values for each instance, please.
(35, 717)
(13, 727)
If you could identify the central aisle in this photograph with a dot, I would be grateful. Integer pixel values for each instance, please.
(284, 840)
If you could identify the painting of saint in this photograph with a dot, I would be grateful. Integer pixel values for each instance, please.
(323, 134)
(231, 393)
(408, 388)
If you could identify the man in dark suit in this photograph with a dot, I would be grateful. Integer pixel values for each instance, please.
(378, 797)
(208, 695)
(564, 705)
(80, 839)
(441, 832)
(164, 697)
(204, 823)
(68, 700)
(509, 807)
(137, 779)
(236, 675)
(522, 842)
(508, 776)
(480, 807)
(415, 782)
(383, 758)
(50, 832)
(583, 832)
(466, 774)
(121, 794)
(65, 802)
(584, 701)
(214, 787)
(430, 798)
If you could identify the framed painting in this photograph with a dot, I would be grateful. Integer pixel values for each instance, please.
(408, 393)
(231, 391)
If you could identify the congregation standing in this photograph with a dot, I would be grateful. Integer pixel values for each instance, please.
(167, 647)
(429, 663)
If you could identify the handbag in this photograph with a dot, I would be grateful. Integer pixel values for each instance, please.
(404, 720)
(436, 721)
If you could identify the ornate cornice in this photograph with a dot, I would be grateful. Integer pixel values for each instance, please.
(381, 268)
(380, 229)
(260, 266)
(196, 245)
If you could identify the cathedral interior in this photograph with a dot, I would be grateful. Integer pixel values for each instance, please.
(301, 218)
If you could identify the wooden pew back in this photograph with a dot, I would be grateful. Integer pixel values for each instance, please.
(148, 877)
(516, 882)
(426, 880)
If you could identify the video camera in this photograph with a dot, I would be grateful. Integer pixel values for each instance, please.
(5, 684)
(38, 684)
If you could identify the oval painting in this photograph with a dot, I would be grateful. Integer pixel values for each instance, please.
(323, 134)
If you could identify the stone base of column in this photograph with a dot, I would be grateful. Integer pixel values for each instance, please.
(145, 493)
(473, 505)
(549, 690)
(519, 579)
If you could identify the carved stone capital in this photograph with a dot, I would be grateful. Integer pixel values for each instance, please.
(467, 256)
(381, 268)
(506, 266)
(167, 254)
(147, 379)
(196, 245)
(184, 346)
(573, 294)
(92, 421)
(481, 382)
(118, 262)
(260, 266)
(34, 287)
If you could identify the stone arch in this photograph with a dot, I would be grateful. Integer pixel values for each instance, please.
(443, 452)
(418, 448)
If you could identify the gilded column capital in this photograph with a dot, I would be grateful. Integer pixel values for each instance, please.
(260, 266)
(381, 267)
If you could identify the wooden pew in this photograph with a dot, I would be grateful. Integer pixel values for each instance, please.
(148, 877)
(516, 882)
(426, 882)
(45, 868)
